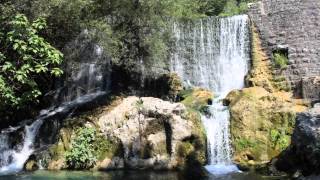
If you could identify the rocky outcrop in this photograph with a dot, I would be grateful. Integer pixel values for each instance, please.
(304, 152)
(291, 27)
(153, 132)
(261, 124)
(133, 133)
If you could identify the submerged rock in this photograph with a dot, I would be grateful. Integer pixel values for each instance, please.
(304, 152)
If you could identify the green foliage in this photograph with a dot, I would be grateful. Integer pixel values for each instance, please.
(130, 31)
(245, 143)
(281, 61)
(235, 7)
(279, 139)
(274, 135)
(24, 57)
(139, 104)
(104, 148)
(82, 154)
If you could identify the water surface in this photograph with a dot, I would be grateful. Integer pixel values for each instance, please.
(124, 175)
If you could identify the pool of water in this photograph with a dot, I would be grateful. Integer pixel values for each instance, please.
(123, 175)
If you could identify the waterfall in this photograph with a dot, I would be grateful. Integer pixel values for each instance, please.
(13, 160)
(12, 155)
(87, 75)
(87, 70)
(213, 53)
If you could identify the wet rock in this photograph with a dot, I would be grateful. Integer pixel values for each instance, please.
(31, 165)
(109, 164)
(197, 98)
(57, 164)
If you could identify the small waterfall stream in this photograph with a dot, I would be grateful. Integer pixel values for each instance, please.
(213, 53)
(14, 154)
(87, 78)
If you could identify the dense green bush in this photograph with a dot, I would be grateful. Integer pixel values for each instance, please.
(82, 154)
(25, 57)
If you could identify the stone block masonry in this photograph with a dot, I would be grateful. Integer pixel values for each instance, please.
(292, 25)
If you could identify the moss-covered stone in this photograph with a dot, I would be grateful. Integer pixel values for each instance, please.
(107, 148)
(260, 73)
(194, 149)
(175, 84)
(261, 124)
(197, 98)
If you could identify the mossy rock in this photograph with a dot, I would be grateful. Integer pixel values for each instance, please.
(107, 148)
(197, 98)
(197, 143)
(261, 124)
(175, 84)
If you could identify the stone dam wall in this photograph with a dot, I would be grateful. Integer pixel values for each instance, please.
(292, 26)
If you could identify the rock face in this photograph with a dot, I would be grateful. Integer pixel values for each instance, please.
(152, 132)
(261, 124)
(304, 151)
(133, 133)
(292, 26)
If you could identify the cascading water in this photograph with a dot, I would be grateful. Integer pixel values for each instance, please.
(213, 53)
(13, 160)
(13, 156)
(87, 76)
(87, 70)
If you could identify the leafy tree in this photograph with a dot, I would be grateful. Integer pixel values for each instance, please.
(130, 30)
(24, 58)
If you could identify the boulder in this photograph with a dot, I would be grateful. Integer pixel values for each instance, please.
(151, 132)
(261, 124)
(303, 155)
